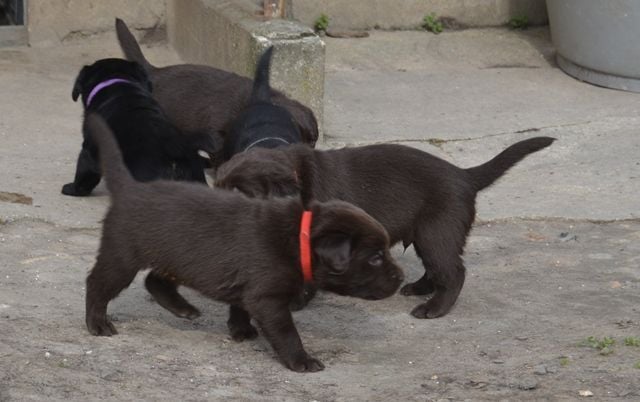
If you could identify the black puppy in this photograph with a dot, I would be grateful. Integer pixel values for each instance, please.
(261, 124)
(199, 98)
(253, 254)
(120, 92)
(419, 198)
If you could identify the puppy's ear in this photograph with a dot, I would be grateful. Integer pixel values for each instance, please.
(334, 250)
(77, 87)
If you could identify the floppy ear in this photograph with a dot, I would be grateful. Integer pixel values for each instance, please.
(77, 87)
(334, 250)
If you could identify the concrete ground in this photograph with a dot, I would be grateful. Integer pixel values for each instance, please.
(553, 258)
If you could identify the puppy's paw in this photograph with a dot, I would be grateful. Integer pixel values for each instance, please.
(306, 364)
(73, 190)
(188, 312)
(429, 310)
(417, 288)
(240, 333)
(101, 327)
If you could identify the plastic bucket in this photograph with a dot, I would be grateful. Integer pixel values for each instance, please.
(598, 41)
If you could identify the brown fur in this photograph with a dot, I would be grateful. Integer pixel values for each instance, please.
(203, 99)
(419, 198)
(231, 248)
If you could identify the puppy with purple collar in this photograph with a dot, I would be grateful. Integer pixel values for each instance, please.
(120, 92)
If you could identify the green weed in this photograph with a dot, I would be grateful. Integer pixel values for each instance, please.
(432, 23)
(519, 22)
(321, 23)
(604, 345)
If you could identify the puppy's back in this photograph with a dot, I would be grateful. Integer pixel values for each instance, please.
(195, 233)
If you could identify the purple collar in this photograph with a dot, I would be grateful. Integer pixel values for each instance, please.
(103, 85)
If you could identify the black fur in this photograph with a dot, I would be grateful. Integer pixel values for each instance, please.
(204, 99)
(261, 124)
(152, 147)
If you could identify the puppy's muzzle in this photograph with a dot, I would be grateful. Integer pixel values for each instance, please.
(383, 287)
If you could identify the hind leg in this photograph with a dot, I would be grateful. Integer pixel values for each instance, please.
(106, 280)
(439, 246)
(165, 293)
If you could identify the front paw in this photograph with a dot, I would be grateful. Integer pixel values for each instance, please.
(73, 190)
(305, 364)
(101, 327)
(429, 310)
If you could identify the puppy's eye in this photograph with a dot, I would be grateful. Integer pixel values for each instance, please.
(377, 259)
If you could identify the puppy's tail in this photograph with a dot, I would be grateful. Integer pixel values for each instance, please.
(112, 164)
(261, 89)
(484, 175)
(130, 46)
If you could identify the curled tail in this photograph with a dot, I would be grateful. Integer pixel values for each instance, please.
(484, 175)
(113, 168)
(261, 89)
(130, 46)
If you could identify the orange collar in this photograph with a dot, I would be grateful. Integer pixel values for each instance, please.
(305, 246)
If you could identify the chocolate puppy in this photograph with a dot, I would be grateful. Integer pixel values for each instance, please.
(203, 99)
(261, 124)
(119, 91)
(250, 253)
(419, 198)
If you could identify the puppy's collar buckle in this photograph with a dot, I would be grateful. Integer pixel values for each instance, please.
(105, 84)
(305, 246)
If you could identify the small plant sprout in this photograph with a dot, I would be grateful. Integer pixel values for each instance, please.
(322, 23)
(432, 23)
(632, 341)
(564, 361)
(605, 346)
(519, 22)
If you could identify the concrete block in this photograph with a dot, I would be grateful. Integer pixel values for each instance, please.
(51, 22)
(13, 35)
(408, 14)
(231, 35)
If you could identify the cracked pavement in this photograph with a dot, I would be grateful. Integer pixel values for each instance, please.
(553, 257)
